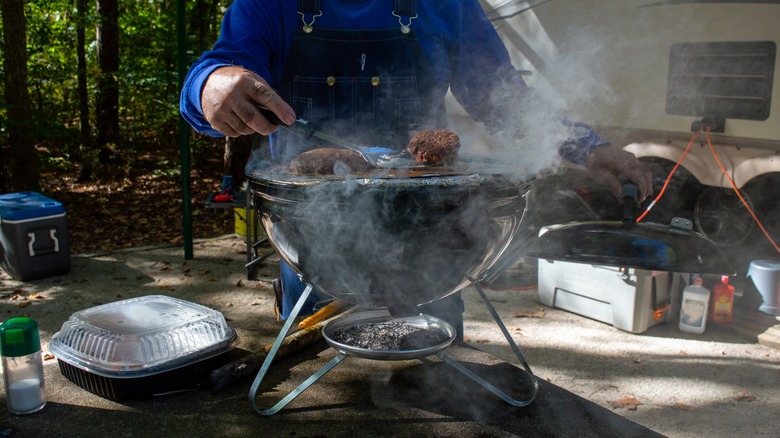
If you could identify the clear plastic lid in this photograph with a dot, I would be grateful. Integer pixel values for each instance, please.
(141, 336)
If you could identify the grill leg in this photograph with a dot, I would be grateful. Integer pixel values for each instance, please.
(455, 364)
(272, 353)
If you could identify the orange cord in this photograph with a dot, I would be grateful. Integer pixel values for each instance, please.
(725, 172)
(669, 178)
(736, 190)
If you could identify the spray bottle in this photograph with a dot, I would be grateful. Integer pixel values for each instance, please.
(695, 304)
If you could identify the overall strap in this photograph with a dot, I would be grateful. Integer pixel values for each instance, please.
(310, 6)
(406, 11)
(309, 10)
(406, 8)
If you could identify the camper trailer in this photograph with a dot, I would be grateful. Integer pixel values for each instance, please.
(653, 77)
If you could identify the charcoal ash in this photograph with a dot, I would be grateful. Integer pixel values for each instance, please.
(389, 336)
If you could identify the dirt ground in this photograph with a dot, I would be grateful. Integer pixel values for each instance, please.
(715, 385)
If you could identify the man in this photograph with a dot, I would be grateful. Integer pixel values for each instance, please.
(374, 72)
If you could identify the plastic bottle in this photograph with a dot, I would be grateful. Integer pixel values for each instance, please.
(722, 301)
(20, 346)
(695, 304)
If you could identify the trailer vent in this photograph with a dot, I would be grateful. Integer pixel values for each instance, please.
(724, 79)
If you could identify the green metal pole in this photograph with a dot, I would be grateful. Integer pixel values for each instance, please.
(184, 130)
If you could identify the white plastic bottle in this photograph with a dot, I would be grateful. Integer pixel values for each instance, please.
(695, 305)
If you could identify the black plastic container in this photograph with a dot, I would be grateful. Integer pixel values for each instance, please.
(141, 347)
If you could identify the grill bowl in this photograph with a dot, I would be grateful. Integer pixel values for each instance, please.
(395, 238)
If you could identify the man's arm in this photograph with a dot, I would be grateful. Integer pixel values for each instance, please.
(251, 38)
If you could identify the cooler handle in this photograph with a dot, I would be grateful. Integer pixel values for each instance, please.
(52, 249)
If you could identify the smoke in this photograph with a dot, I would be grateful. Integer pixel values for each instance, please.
(378, 240)
(389, 242)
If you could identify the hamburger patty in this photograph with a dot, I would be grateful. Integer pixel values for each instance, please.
(323, 161)
(434, 146)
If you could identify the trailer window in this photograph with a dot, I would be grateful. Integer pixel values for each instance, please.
(724, 79)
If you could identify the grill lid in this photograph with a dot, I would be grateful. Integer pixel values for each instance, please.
(673, 248)
(644, 246)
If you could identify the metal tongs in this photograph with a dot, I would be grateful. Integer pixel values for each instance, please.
(380, 157)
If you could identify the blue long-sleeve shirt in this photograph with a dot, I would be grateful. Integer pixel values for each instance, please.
(455, 35)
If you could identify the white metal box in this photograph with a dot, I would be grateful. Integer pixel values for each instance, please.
(629, 299)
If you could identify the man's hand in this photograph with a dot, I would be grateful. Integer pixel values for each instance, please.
(229, 100)
(611, 166)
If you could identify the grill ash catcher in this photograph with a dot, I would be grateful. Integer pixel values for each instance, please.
(381, 316)
(392, 239)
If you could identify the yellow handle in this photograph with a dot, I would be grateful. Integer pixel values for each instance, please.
(326, 312)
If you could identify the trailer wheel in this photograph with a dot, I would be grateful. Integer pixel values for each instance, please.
(720, 216)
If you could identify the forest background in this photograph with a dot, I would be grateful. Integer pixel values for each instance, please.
(89, 116)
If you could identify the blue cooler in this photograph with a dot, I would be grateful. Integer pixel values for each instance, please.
(33, 236)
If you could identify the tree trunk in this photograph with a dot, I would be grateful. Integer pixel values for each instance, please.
(203, 23)
(107, 101)
(81, 63)
(22, 157)
(237, 151)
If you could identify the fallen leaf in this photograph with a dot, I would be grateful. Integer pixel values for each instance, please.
(683, 406)
(240, 283)
(745, 396)
(629, 403)
(529, 313)
(48, 356)
(23, 304)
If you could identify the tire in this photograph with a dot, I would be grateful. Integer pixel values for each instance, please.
(721, 216)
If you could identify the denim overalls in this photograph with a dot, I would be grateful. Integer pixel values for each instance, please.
(366, 86)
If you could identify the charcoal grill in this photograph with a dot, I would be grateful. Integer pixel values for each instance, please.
(390, 239)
